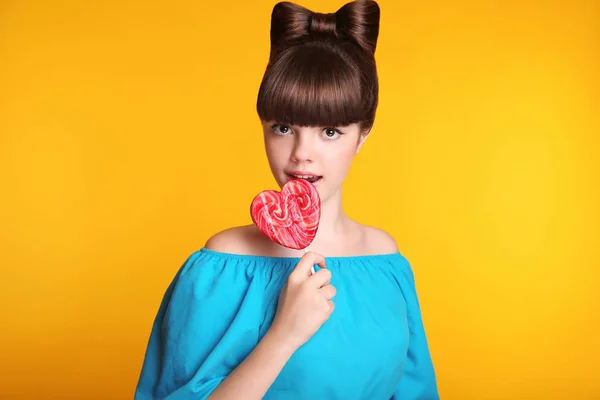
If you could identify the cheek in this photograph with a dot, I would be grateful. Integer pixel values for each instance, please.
(277, 152)
(341, 158)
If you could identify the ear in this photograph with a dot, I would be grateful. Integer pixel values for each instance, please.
(362, 138)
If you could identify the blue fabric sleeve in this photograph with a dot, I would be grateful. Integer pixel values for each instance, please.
(197, 337)
(418, 381)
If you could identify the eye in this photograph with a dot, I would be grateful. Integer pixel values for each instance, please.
(332, 133)
(280, 129)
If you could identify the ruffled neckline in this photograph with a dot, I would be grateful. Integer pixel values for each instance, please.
(251, 257)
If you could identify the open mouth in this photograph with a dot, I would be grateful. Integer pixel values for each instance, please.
(311, 178)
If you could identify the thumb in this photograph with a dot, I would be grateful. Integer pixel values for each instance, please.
(305, 267)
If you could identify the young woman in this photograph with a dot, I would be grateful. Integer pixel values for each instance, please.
(245, 318)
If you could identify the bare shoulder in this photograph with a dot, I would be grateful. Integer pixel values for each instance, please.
(232, 240)
(237, 240)
(379, 241)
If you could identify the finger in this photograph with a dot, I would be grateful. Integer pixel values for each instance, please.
(321, 278)
(307, 262)
(328, 291)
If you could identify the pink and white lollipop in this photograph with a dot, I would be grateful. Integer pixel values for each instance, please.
(290, 217)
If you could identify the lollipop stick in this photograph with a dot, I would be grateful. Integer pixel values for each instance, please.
(313, 267)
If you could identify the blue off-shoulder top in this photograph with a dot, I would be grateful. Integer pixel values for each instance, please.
(220, 305)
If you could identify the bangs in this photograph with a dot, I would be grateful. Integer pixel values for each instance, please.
(312, 85)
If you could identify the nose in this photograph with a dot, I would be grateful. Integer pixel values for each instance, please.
(303, 149)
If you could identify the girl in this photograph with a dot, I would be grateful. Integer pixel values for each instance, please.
(244, 318)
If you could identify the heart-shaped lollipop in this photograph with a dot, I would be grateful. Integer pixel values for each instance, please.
(290, 217)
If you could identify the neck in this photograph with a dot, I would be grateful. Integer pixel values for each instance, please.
(333, 225)
(333, 219)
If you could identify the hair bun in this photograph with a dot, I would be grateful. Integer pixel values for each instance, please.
(357, 21)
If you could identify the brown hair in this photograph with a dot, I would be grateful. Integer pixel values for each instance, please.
(321, 69)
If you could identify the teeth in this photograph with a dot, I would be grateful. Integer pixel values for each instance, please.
(303, 176)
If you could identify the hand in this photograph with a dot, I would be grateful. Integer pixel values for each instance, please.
(305, 302)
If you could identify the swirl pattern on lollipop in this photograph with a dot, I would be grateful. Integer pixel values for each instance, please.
(290, 217)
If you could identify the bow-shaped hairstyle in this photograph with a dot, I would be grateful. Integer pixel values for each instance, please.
(357, 21)
(321, 69)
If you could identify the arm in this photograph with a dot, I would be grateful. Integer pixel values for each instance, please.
(199, 336)
(204, 343)
(418, 381)
(253, 377)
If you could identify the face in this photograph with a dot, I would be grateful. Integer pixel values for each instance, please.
(322, 155)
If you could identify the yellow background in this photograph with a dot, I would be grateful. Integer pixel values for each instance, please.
(128, 136)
